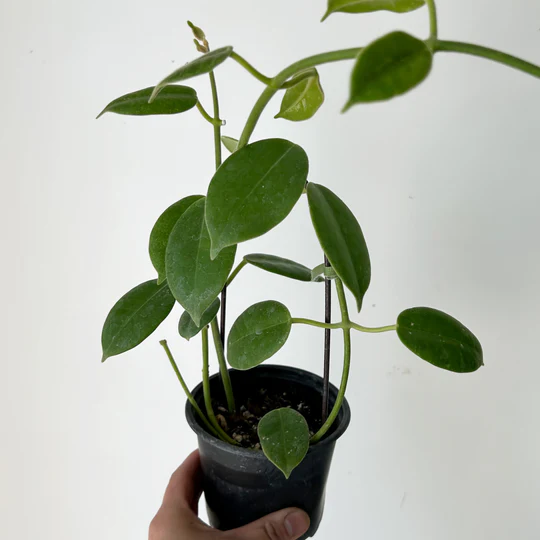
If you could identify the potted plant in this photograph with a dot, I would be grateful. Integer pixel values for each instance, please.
(267, 433)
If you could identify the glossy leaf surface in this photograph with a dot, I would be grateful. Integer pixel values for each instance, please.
(204, 64)
(439, 339)
(195, 280)
(367, 6)
(258, 334)
(254, 190)
(229, 143)
(389, 67)
(284, 436)
(302, 100)
(135, 316)
(279, 265)
(188, 329)
(341, 238)
(159, 237)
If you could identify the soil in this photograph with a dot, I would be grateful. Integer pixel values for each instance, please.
(251, 407)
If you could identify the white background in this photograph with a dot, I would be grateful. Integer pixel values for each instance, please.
(445, 184)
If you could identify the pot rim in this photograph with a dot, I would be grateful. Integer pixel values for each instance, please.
(341, 423)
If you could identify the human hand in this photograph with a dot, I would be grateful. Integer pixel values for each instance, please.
(177, 518)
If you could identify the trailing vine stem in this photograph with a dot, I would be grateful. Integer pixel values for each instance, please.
(433, 23)
(344, 325)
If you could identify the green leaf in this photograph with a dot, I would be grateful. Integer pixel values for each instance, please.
(278, 265)
(187, 327)
(367, 6)
(135, 316)
(258, 334)
(322, 270)
(195, 280)
(341, 238)
(284, 436)
(439, 339)
(254, 190)
(302, 100)
(389, 67)
(162, 230)
(173, 100)
(204, 64)
(229, 143)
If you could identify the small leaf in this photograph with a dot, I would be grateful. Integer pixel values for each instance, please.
(188, 329)
(284, 436)
(323, 270)
(199, 66)
(254, 190)
(367, 6)
(258, 334)
(161, 231)
(278, 265)
(341, 238)
(439, 339)
(195, 280)
(302, 100)
(389, 67)
(135, 316)
(176, 99)
(229, 143)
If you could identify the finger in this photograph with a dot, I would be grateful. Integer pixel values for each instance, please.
(288, 524)
(185, 485)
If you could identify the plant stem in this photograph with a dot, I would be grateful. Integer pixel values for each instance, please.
(223, 367)
(191, 399)
(311, 322)
(280, 78)
(490, 54)
(236, 272)
(255, 72)
(327, 334)
(350, 325)
(376, 330)
(206, 389)
(205, 115)
(433, 24)
(217, 121)
(346, 365)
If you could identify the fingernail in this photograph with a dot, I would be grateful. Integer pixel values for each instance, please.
(296, 523)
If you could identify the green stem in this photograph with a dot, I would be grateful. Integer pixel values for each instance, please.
(300, 77)
(206, 389)
(311, 322)
(433, 24)
(255, 72)
(350, 325)
(346, 365)
(191, 399)
(217, 121)
(223, 367)
(205, 115)
(280, 78)
(377, 330)
(235, 272)
(490, 54)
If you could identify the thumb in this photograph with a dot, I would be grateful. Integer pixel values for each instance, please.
(288, 524)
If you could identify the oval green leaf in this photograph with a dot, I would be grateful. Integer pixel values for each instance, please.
(258, 334)
(135, 316)
(302, 100)
(204, 64)
(161, 231)
(229, 143)
(389, 67)
(440, 339)
(254, 190)
(280, 266)
(341, 238)
(173, 100)
(368, 6)
(187, 327)
(284, 436)
(195, 280)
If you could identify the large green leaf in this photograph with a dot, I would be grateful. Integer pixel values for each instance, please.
(367, 6)
(341, 238)
(173, 100)
(195, 280)
(302, 100)
(204, 64)
(284, 436)
(278, 265)
(258, 334)
(439, 339)
(254, 190)
(389, 67)
(161, 231)
(187, 327)
(135, 316)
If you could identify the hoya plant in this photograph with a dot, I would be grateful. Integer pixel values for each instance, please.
(193, 243)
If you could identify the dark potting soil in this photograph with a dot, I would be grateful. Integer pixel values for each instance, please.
(251, 406)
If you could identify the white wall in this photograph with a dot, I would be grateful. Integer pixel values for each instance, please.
(446, 186)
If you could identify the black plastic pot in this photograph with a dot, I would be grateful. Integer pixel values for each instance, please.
(241, 485)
